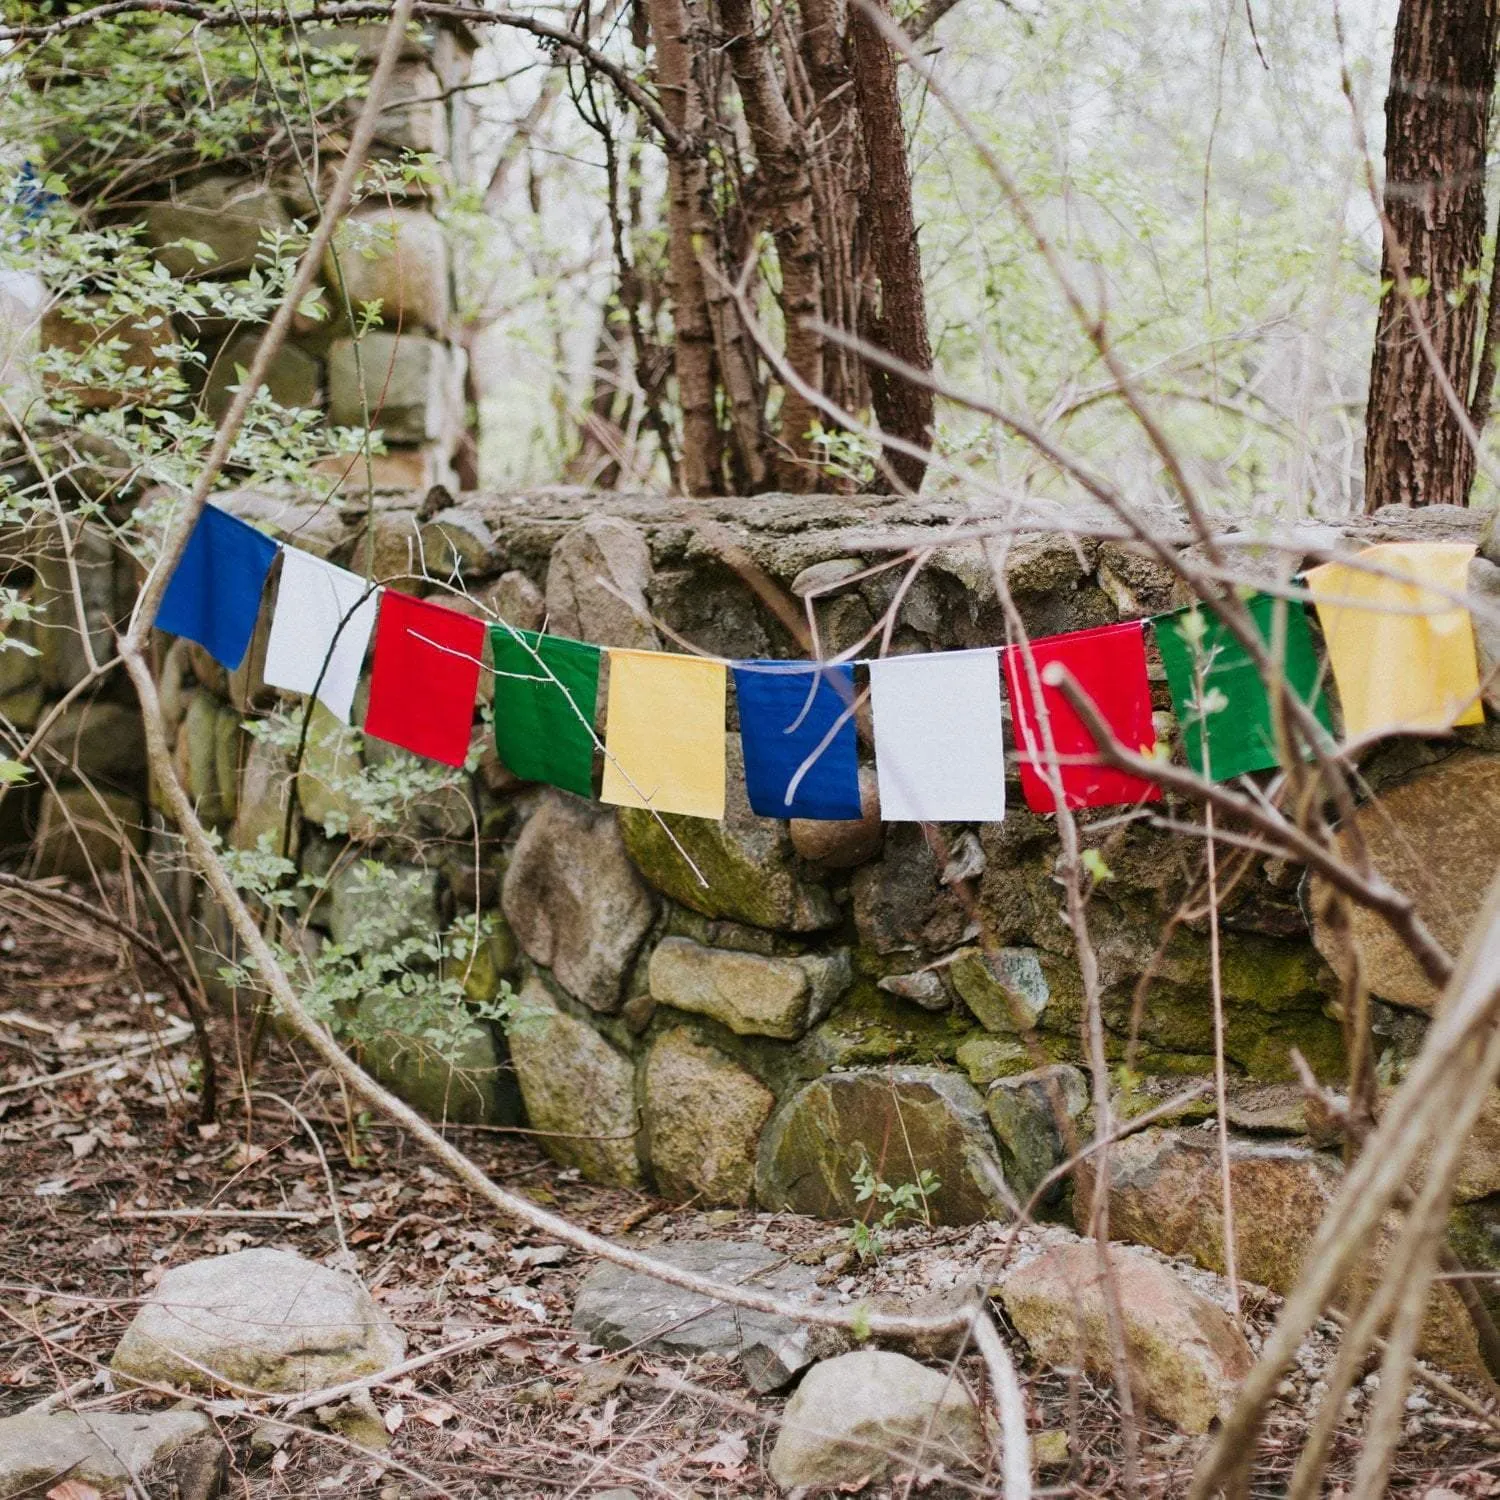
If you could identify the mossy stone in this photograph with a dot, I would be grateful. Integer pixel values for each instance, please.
(472, 1085)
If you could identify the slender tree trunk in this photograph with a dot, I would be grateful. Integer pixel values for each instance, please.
(687, 212)
(1437, 118)
(900, 324)
(783, 191)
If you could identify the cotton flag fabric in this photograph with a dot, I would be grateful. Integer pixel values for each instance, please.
(1229, 730)
(546, 691)
(1109, 667)
(1402, 655)
(324, 616)
(213, 596)
(664, 740)
(798, 736)
(425, 678)
(939, 746)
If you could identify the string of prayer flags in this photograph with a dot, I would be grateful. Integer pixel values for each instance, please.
(799, 740)
(1217, 692)
(322, 625)
(938, 737)
(1402, 654)
(546, 692)
(664, 737)
(1109, 666)
(213, 595)
(425, 677)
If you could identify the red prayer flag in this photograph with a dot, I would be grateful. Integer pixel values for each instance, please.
(1109, 666)
(425, 677)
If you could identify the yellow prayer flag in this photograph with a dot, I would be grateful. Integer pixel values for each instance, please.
(664, 740)
(1402, 655)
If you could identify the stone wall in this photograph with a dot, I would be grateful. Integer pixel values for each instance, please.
(822, 1002)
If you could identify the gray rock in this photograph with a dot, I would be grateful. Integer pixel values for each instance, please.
(896, 1121)
(265, 787)
(105, 742)
(923, 987)
(621, 1309)
(597, 584)
(986, 1058)
(574, 900)
(858, 1418)
(1007, 992)
(457, 543)
(267, 1320)
(703, 1117)
(79, 831)
(210, 744)
(824, 576)
(233, 216)
(1023, 1110)
(412, 383)
(750, 994)
(900, 901)
(414, 117)
(752, 872)
(515, 599)
(62, 662)
(395, 256)
(578, 1088)
(169, 1452)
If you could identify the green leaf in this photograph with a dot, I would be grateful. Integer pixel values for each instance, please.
(1093, 862)
(13, 772)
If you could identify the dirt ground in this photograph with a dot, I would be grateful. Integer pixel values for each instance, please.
(108, 1182)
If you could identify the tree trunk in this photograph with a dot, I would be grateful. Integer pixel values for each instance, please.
(783, 191)
(900, 325)
(1437, 117)
(687, 212)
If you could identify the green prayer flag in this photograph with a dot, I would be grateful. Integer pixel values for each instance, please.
(544, 710)
(1234, 714)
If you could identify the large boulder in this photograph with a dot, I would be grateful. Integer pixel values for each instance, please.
(750, 870)
(1029, 1113)
(897, 1122)
(751, 994)
(576, 1088)
(597, 584)
(257, 1320)
(857, 1418)
(703, 1118)
(574, 900)
(1186, 1356)
(466, 1081)
(622, 1309)
(1433, 836)
(80, 831)
(113, 1453)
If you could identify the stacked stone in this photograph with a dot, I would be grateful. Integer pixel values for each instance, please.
(406, 378)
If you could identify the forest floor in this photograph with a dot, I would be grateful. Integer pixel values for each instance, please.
(107, 1182)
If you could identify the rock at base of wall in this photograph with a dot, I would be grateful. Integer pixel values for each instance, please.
(1186, 1356)
(856, 1419)
(267, 1319)
(750, 870)
(896, 1122)
(1027, 1112)
(621, 1309)
(574, 900)
(751, 994)
(576, 1086)
(703, 1119)
(471, 1084)
(170, 1452)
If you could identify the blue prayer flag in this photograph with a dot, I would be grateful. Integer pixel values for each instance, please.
(790, 711)
(213, 597)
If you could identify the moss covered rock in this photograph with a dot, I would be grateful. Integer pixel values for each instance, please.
(1006, 990)
(896, 1123)
(750, 870)
(470, 1084)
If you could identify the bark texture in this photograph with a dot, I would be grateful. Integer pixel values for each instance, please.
(898, 321)
(1437, 117)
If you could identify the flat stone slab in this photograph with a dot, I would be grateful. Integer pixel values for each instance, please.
(262, 1320)
(620, 1309)
(110, 1451)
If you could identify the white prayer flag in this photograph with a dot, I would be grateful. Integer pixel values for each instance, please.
(314, 597)
(939, 745)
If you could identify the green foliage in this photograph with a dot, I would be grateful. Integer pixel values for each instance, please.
(901, 1202)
